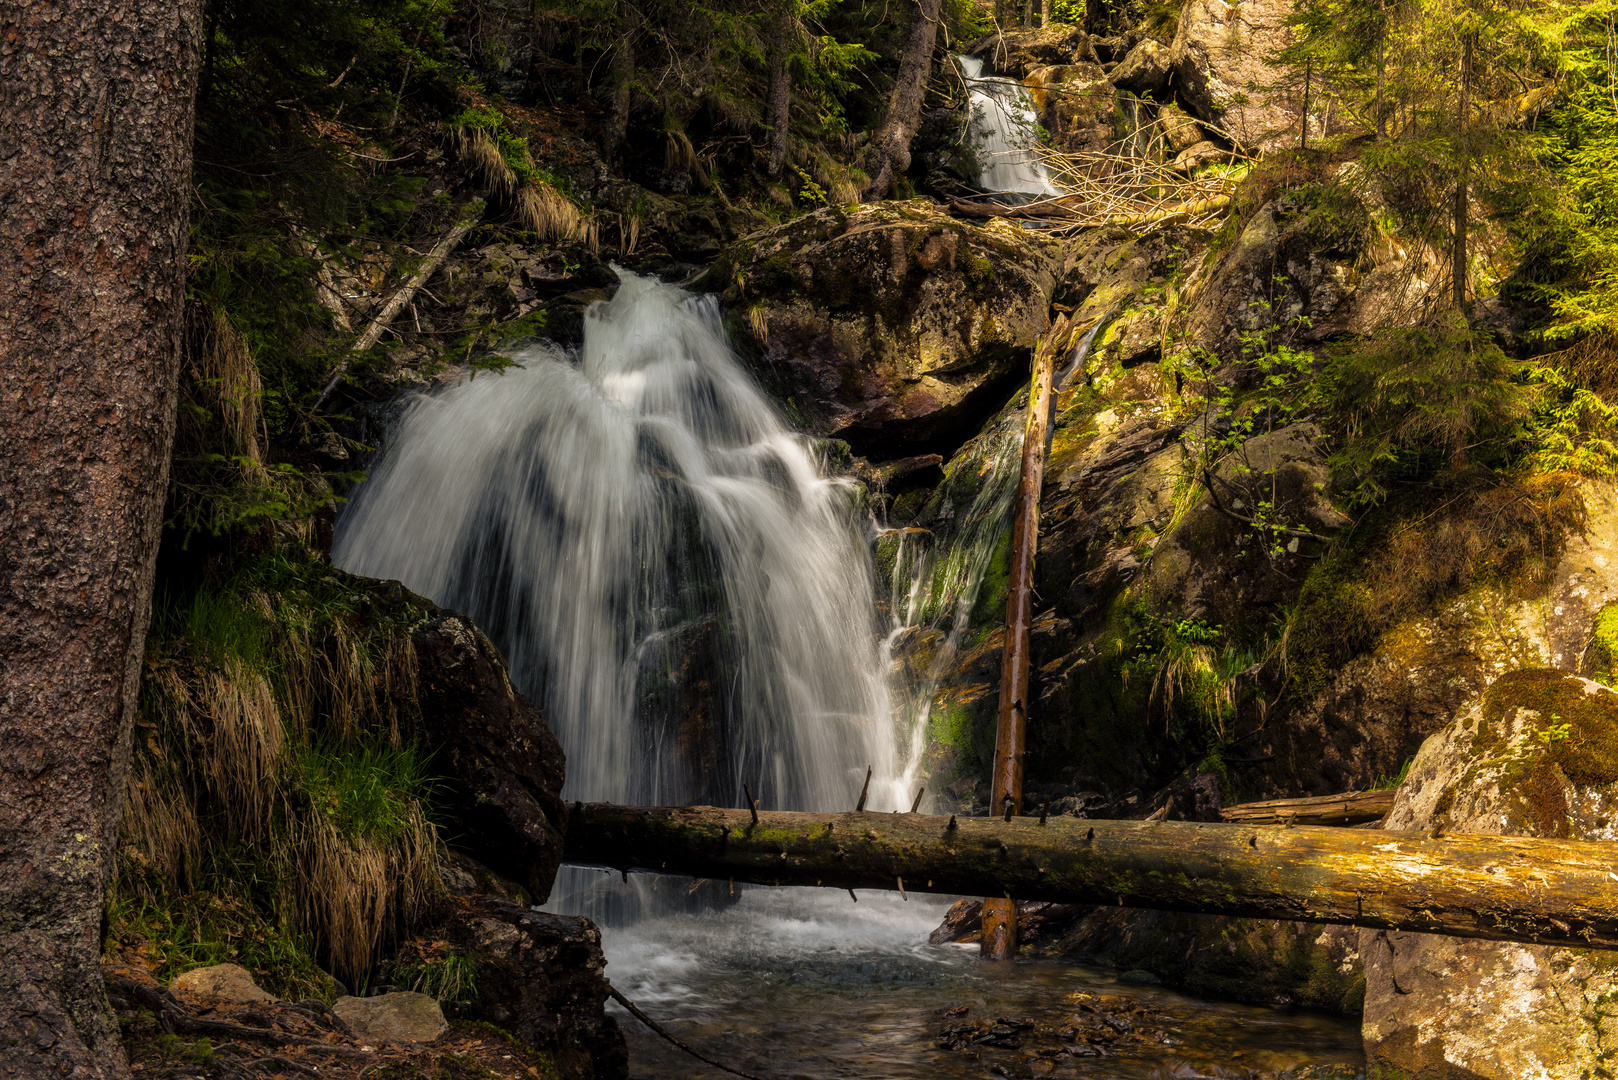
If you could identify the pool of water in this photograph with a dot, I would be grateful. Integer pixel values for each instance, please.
(805, 983)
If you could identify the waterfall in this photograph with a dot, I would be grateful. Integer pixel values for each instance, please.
(665, 565)
(1002, 128)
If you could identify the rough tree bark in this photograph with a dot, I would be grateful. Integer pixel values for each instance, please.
(999, 941)
(95, 164)
(890, 142)
(620, 75)
(783, 34)
(1499, 888)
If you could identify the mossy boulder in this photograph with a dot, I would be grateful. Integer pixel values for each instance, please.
(1537, 755)
(892, 323)
(1216, 564)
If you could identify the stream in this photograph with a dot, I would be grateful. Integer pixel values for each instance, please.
(808, 985)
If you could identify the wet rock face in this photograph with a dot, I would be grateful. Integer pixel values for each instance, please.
(892, 323)
(539, 976)
(1536, 756)
(504, 766)
(1218, 58)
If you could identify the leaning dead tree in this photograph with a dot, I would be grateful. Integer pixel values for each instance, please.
(1500, 888)
(999, 940)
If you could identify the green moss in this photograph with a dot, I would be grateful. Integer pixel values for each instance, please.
(991, 598)
(1586, 750)
(1604, 645)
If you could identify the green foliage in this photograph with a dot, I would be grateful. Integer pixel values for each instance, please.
(174, 933)
(1410, 400)
(273, 783)
(369, 789)
(437, 969)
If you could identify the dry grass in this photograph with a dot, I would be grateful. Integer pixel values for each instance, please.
(540, 207)
(160, 822)
(245, 746)
(353, 894)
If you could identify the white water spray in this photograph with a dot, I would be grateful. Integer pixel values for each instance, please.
(661, 560)
(1002, 128)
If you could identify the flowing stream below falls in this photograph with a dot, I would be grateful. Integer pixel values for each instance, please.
(672, 573)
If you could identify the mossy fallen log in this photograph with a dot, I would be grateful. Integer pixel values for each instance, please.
(1553, 892)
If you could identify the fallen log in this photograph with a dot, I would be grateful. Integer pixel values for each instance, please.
(1498, 888)
(1349, 808)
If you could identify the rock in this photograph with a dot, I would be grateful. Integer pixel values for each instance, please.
(1221, 74)
(1536, 756)
(1179, 130)
(892, 322)
(1145, 71)
(502, 804)
(1018, 52)
(1077, 104)
(1218, 569)
(399, 1017)
(1313, 242)
(227, 982)
(539, 976)
(1195, 157)
(1263, 961)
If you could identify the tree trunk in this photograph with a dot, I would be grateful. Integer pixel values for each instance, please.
(778, 104)
(96, 107)
(1458, 265)
(999, 941)
(890, 143)
(1498, 888)
(620, 73)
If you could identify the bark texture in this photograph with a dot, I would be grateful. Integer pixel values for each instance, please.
(95, 161)
(1491, 887)
(999, 941)
(890, 142)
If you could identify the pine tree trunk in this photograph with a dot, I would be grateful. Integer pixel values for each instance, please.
(778, 104)
(620, 73)
(1458, 265)
(95, 124)
(890, 143)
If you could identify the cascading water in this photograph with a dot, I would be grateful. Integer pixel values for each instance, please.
(659, 557)
(1002, 126)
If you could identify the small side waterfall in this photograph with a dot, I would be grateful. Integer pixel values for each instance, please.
(660, 558)
(1002, 129)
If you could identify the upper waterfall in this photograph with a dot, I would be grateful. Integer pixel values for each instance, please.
(663, 562)
(1003, 129)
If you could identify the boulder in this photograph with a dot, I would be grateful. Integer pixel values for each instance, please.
(1221, 75)
(1214, 567)
(1019, 51)
(1179, 130)
(1077, 104)
(399, 1017)
(539, 976)
(892, 322)
(1536, 756)
(1296, 255)
(225, 982)
(1145, 71)
(504, 767)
